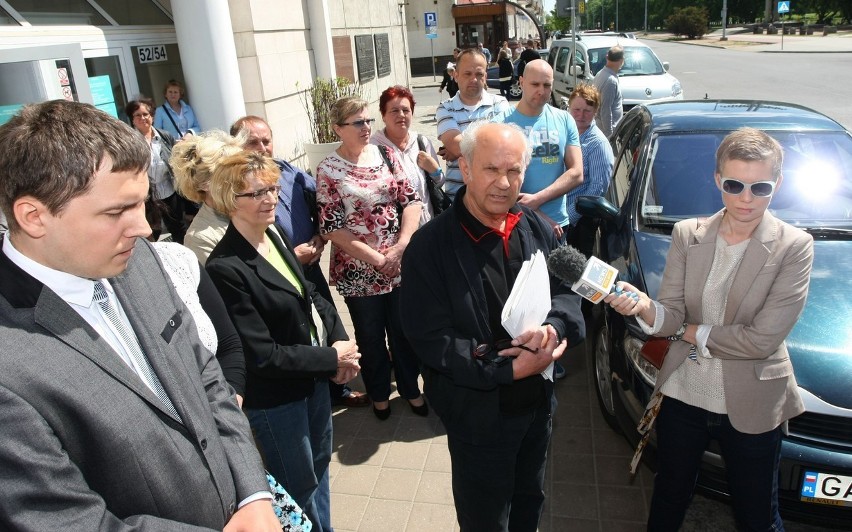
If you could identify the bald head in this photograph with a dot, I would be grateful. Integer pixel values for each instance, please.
(483, 133)
(537, 85)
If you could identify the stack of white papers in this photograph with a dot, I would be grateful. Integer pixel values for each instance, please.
(529, 303)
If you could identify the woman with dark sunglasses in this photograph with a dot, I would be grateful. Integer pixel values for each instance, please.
(733, 288)
(368, 210)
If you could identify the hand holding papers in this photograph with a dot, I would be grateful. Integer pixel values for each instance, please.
(529, 302)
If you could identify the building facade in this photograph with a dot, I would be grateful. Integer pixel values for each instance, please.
(234, 57)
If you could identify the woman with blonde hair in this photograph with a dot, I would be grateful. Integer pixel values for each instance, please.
(194, 160)
(368, 210)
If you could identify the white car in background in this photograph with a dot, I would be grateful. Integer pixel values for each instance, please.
(643, 78)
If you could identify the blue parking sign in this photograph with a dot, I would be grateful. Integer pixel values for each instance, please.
(783, 7)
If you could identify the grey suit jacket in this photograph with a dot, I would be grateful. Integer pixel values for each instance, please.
(765, 301)
(85, 445)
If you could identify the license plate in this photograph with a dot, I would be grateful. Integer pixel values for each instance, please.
(826, 488)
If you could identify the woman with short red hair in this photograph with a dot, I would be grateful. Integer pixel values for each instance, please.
(414, 151)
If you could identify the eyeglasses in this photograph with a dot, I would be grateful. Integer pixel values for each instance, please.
(146, 115)
(481, 351)
(359, 123)
(759, 189)
(258, 195)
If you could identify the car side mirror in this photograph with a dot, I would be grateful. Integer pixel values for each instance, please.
(596, 207)
(576, 70)
(666, 66)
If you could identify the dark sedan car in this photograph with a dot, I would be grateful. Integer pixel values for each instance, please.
(663, 173)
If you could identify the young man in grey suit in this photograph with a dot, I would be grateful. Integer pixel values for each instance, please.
(114, 416)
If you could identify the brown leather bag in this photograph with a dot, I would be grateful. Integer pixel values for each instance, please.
(655, 350)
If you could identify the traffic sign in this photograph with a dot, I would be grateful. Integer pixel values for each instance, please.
(431, 22)
(783, 7)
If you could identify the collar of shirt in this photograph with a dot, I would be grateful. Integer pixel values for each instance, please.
(72, 289)
(487, 99)
(476, 230)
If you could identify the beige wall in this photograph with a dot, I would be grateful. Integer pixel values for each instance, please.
(275, 58)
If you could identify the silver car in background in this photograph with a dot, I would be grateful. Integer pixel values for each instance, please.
(643, 78)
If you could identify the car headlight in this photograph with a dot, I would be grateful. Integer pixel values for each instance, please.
(677, 90)
(633, 348)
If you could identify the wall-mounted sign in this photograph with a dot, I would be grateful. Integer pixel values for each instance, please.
(102, 95)
(365, 57)
(383, 59)
(151, 54)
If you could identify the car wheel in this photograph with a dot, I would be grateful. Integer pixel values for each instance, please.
(604, 384)
(515, 90)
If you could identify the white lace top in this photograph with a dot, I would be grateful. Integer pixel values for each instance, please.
(184, 270)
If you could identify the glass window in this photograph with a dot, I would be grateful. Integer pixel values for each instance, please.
(626, 147)
(52, 12)
(134, 12)
(107, 84)
(562, 59)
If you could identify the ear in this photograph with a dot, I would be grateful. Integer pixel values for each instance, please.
(778, 184)
(718, 179)
(465, 170)
(30, 214)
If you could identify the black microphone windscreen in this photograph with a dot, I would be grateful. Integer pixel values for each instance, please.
(567, 264)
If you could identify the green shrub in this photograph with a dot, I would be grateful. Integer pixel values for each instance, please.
(691, 21)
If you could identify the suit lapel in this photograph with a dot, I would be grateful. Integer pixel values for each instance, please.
(142, 283)
(756, 254)
(699, 260)
(57, 317)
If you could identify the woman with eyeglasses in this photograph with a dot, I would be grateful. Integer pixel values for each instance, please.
(293, 338)
(414, 151)
(160, 174)
(368, 210)
(733, 287)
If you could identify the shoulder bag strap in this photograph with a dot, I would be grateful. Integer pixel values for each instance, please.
(172, 120)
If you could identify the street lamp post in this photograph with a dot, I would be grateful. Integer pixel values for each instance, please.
(724, 20)
(646, 17)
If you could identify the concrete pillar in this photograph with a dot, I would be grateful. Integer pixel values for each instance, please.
(321, 39)
(209, 59)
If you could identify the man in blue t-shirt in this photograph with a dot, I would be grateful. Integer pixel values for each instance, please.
(557, 164)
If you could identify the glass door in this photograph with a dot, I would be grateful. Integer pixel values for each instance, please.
(41, 73)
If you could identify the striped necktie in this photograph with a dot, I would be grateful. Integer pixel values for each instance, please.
(135, 350)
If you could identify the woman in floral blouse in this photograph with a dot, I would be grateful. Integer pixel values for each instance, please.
(369, 210)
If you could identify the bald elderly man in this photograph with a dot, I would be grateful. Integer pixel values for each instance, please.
(486, 386)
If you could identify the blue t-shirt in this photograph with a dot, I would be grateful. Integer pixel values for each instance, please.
(550, 134)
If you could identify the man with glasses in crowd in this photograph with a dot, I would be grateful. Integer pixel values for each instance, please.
(489, 389)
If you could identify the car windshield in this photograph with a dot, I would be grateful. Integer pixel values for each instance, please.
(638, 61)
(816, 191)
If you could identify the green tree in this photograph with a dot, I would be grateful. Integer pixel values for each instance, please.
(557, 23)
(691, 21)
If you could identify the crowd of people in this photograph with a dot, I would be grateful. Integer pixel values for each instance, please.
(149, 383)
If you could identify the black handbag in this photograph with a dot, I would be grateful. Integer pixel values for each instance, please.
(437, 197)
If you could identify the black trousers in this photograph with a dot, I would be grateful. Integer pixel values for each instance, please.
(500, 486)
(173, 217)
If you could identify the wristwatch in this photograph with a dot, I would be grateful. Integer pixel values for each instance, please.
(679, 334)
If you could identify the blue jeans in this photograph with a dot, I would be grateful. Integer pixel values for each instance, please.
(296, 442)
(751, 460)
(372, 318)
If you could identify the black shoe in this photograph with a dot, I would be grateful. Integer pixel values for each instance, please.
(382, 414)
(422, 410)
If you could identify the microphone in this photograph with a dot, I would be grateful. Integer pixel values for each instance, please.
(591, 278)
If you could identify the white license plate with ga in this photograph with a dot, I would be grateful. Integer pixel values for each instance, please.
(827, 488)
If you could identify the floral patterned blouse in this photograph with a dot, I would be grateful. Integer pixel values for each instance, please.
(365, 200)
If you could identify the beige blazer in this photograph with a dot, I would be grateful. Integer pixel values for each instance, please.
(765, 300)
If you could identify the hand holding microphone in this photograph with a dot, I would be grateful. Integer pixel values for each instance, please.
(591, 278)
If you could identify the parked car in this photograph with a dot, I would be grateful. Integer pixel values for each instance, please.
(643, 78)
(663, 173)
(515, 91)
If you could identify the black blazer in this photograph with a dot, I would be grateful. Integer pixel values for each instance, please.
(273, 320)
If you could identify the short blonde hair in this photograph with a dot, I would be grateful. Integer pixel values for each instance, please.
(750, 145)
(346, 107)
(194, 159)
(232, 174)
